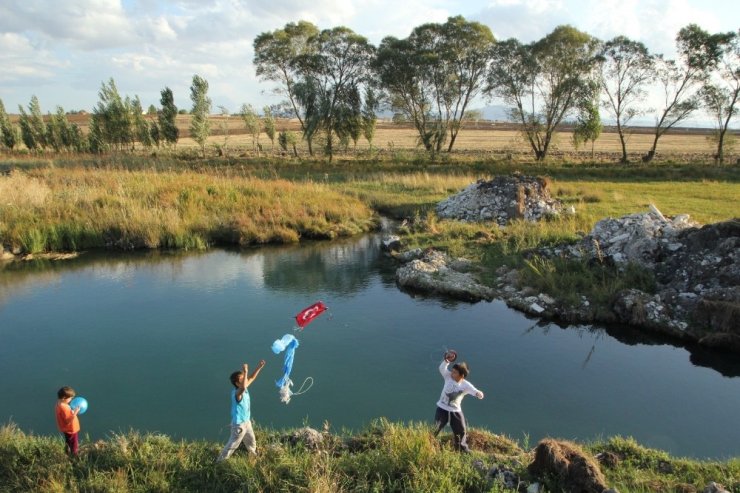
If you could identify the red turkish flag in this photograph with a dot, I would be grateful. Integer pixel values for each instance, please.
(306, 315)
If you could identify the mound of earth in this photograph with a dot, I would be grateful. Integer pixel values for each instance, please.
(501, 199)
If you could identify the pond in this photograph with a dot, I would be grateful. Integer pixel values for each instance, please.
(151, 338)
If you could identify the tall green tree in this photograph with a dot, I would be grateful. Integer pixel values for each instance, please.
(33, 128)
(720, 93)
(588, 125)
(168, 130)
(56, 129)
(141, 126)
(114, 117)
(200, 126)
(268, 121)
(331, 77)
(251, 123)
(370, 115)
(433, 75)
(275, 54)
(8, 132)
(544, 81)
(627, 69)
(698, 55)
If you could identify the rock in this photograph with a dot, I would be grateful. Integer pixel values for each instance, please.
(434, 273)
(534, 488)
(501, 199)
(655, 211)
(715, 488)
(536, 308)
(548, 300)
(408, 255)
(309, 437)
(503, 476)
(565, 461)
(391, 243)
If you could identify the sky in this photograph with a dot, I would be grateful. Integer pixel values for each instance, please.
(62, 50)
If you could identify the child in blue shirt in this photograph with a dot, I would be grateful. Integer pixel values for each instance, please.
(241, 423)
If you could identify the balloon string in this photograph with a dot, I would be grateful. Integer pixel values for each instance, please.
(300, 390)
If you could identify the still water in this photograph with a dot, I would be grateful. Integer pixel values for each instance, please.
(150, 340)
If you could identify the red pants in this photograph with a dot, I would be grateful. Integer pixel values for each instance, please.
(72, 443)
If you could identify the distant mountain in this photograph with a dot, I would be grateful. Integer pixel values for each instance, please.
(495, 112)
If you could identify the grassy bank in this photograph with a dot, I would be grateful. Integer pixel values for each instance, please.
(51, 209)
(384, 457)
(129, 201)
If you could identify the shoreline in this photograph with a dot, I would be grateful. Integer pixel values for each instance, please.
(384, 456)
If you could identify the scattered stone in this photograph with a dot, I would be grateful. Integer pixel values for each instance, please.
(408, 255)
(534, 488)
(575, 470)
(697, 271)
(715, 488)
(309, 437)
(391, 243)
(536, 308)
(434, 273)
(501, 199)
(503, 476)
(548, 300)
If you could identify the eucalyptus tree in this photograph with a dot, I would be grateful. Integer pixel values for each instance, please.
(433, 75)
(168, 130)
(200, 126)
(331, 77)
(275, 53)
(251, 123)
(268, 121)
(627, 69)
(544, 81)
(681, 80)
(721, 93)
(588, 125)
(370, 115)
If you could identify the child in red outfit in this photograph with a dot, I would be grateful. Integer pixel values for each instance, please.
(67, 420)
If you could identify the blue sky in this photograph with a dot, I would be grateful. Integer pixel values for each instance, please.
(61, 51)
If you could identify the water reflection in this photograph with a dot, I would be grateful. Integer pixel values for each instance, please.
(154, 326)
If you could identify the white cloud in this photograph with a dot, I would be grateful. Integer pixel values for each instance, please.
(146, 45)
(23, 62)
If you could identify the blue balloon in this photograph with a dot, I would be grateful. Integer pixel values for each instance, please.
(80, 402)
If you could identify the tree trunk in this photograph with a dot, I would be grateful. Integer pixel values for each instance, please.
(720, 148)
(624, 159)
(453, 136)
(651, 153)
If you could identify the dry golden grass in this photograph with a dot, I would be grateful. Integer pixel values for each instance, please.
(74, 209)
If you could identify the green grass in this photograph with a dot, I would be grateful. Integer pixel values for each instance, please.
(384, 457)
(72, 209)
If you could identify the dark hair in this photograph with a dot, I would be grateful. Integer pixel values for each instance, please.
(462, 369)
(65, 392)
(234, 378)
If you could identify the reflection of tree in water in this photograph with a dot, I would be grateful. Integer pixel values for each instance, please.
(343, 268)
(724, 363)
(20, 277)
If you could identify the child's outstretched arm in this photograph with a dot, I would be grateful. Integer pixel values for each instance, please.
(253, 376)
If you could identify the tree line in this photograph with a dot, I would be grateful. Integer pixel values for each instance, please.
(334, 82)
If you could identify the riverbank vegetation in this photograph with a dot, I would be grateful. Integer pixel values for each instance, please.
(75, 209)
(383, 457)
